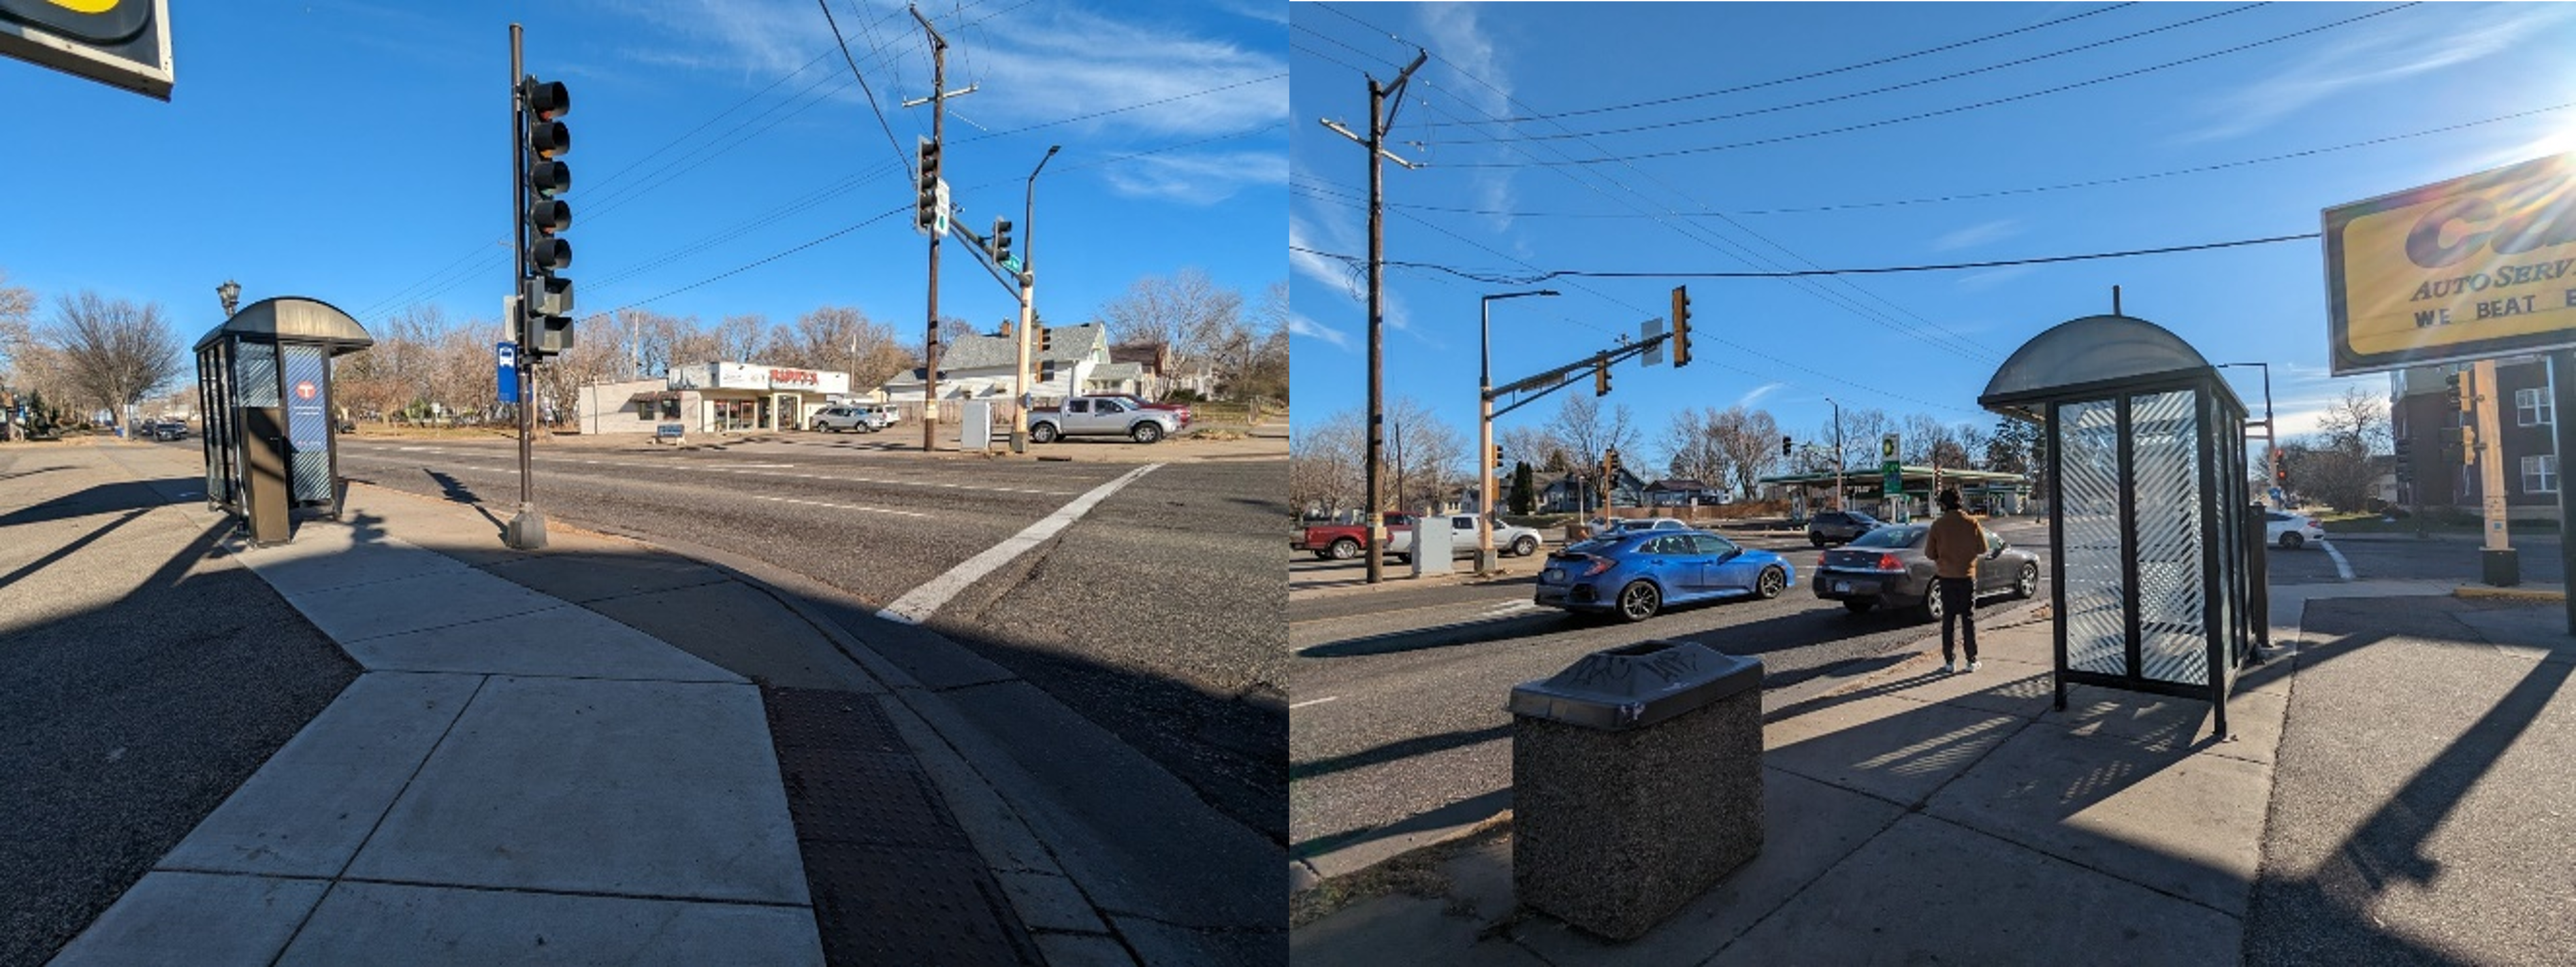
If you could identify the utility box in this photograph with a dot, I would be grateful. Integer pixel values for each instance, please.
(1636, 783)
(1433, 546)
(264, 385)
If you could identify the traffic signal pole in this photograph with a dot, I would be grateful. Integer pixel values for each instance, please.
(527, 530)
(938, 133)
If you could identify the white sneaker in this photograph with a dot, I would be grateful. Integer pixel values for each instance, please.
(1947, 668)
(1972, 664)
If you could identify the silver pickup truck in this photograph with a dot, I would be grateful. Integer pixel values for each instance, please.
(1101, 416)
(1510, 540)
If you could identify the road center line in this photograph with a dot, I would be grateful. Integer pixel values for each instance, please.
(917, 604)
(1312, 701)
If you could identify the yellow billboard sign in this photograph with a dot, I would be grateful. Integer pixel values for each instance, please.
(2471, 268)
(121, 42)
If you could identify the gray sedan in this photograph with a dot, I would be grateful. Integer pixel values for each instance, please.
(1887, 568)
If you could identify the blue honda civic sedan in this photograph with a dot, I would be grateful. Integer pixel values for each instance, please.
(1637, 574)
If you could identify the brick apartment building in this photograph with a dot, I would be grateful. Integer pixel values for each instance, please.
(2422, 414)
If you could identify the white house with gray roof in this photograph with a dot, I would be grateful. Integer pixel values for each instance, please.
(981, 367)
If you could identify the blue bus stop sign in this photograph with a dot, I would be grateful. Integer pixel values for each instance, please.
(506, 354)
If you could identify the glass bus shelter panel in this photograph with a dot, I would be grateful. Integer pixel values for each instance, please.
(2173, 630)
(254, 374)
(308, 427)
(2089, 494)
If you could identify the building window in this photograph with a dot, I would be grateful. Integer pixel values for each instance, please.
(2532, 407)
(2540, 474)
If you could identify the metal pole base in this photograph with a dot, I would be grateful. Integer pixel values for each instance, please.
(527, 531)
(1019, 441)
(1487, 562)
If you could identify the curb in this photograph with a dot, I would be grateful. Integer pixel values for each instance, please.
(2474, 592)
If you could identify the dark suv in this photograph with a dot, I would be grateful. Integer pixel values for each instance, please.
(1838, 526)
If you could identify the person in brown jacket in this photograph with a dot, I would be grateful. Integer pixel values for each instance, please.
(1954, 544)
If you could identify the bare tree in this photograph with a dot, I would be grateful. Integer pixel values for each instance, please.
(1186, 312)
(2358, 421)
(743, 338)
(114, 352)
(1690, 450)
(1425, 454)
(1326, 472)
(1861, 429)
(1750, 440)
(1535, 445)
(843, 338)
(1586, 431)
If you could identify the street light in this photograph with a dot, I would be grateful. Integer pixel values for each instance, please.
(1838, 452)
(230, 292)
(1485, 559)
(1028, 279)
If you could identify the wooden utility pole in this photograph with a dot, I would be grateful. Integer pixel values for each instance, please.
(1381, 117)
(938, 129)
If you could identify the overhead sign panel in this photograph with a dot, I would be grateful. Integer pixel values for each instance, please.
(125, 43)
(2470, 268)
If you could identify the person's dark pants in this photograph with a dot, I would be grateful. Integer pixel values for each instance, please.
(1958, 604)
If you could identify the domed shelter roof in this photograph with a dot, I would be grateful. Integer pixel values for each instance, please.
(292, 319)
(2091, 357)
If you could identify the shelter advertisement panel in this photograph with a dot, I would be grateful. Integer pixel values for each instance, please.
(2469, 268)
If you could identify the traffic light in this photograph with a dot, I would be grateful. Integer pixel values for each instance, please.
(1498, 456)
(1681, 326)
(545, 299)
(1001, 240)
(1601, 380)
(926, 215)
(1046, 338)
(1785, 446)
(2469, 445)
(1610, 465)
(2451, 391)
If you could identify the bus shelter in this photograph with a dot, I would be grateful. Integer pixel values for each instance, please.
(264, 385)
(2155, 584)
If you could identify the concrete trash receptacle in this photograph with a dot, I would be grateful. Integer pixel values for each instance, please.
(1636, 783)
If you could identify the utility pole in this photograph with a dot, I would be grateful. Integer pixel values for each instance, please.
(938, 101)
(1381, 117)
(1838, 452)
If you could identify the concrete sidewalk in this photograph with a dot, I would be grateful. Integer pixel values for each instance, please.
(594, 753)
(1916, 817)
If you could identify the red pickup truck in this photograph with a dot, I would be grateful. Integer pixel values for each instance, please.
(1342, 542)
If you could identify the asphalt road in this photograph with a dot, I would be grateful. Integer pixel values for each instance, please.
(2401, 556)
(1154, 615)
(1399, 694)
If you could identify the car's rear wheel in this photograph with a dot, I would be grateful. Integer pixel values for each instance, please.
(1770, 584)
(1639, 601)
(1344, 549)
(1859, 607)
(1043, 433)
(1525, 547)
(1145, 432)
(2291, 540)
(1816, 539)
(2026, 586)
(1931, 606)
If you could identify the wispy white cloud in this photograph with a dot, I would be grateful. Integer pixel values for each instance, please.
(2378, 54)
(1299, 325)
(1472, 71)
(1979, 234)
(1981, 281)
(1034, 64)
(1334, 232)
(1757, 393)
(1200, 179)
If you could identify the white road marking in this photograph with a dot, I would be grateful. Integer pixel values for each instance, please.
(2343, 568)
(916, 605)
(1507, 607)
(818, 503)
(1312, 701)
(733, 468)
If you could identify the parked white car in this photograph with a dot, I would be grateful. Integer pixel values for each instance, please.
(1510, 540)
(2291, 531)
(863, 417)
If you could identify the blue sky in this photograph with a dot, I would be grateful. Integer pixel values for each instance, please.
(357, 152)
(1810, 195)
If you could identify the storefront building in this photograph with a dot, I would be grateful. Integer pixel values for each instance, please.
(712, 398)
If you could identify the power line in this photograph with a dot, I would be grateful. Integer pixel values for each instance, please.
(843, 45)
(1959, 109)
(1856, 95)
(1495, 279)
(1317, 188)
